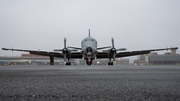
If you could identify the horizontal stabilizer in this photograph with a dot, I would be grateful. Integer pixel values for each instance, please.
(75, 48)
(103, 47)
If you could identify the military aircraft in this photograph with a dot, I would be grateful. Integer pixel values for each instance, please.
(88, 51)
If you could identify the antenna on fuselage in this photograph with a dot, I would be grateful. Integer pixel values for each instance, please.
(89, 32)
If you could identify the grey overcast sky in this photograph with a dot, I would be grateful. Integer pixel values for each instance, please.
(134, 24)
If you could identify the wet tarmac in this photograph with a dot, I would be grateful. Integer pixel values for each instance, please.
(89, 83)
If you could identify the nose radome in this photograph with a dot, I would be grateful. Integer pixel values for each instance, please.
(89, 49)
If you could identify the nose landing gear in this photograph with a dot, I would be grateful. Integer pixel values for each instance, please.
(89, 62)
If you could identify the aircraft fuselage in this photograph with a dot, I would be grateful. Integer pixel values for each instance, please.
(89, 49)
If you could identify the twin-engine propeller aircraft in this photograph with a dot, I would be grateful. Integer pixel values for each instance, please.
(88, 51)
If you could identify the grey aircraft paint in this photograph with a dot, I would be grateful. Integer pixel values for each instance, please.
(89, 48)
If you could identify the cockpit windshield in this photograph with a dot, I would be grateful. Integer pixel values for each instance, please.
(89, 40)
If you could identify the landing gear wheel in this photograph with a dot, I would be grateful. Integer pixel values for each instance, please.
(68, 63)
(89, 63)
(110, 63)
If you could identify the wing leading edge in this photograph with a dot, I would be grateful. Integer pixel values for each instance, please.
(46, 53)
(131, 53)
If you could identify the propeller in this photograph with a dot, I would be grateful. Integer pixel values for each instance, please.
(114, 50)
(65, 50)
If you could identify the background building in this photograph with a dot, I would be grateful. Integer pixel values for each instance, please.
(28, 59)
(169, 58)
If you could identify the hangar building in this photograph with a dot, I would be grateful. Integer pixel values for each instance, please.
(169, 58)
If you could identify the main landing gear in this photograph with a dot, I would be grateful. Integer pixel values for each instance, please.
(110, 63)
(68, 63)
(51, 59)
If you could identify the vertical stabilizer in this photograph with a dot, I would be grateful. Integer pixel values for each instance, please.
(89, 32)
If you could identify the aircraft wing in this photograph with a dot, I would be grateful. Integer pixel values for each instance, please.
(130, 53)
(46, 53)
(101, 55)
(76, 55)
(103, 47)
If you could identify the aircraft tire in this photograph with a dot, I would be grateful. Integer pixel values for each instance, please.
(89, 64)
(110, 63)
(68, 63)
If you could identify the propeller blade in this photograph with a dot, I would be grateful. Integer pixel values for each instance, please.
(112, 42)
(64, 42)
(65, 57)
(114, 56)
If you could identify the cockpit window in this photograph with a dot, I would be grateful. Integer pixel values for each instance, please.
(90, 40)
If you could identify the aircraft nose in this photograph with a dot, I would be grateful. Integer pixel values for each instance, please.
(89, 54)
(89, 49)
